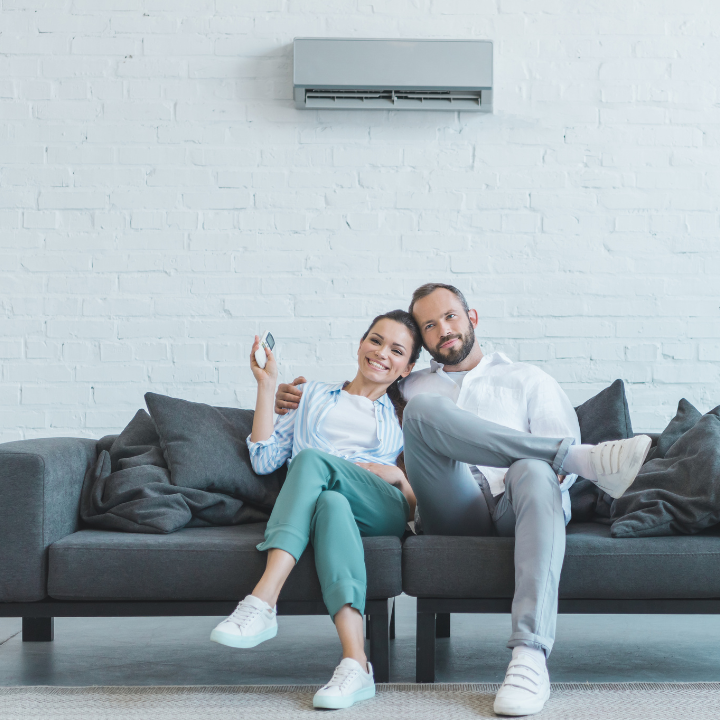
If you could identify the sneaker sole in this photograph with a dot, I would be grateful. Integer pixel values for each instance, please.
(640, 451)
(517, 709)
(328, 702)
(243, 641)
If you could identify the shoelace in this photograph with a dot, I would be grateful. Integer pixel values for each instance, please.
(244, 614)
(341, 677)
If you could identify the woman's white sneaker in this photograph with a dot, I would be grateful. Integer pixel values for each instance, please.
(348, 685)
(526, 687)
(252, 622)
(618, 462)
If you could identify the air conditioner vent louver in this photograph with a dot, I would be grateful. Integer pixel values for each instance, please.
(394, 99)
(369, 74)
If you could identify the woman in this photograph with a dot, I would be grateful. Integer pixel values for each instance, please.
(342, 484)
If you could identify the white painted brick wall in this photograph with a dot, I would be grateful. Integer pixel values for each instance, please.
(161, 200)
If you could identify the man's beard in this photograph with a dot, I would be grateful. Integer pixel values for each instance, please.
(455, 355)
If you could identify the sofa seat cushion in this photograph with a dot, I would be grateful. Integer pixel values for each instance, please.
(596, 566)
(214, 563)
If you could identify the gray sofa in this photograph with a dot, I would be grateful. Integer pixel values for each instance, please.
(51, 567)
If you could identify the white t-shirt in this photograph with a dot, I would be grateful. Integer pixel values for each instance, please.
(351, 425)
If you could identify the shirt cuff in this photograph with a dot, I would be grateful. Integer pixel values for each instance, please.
(260, 443)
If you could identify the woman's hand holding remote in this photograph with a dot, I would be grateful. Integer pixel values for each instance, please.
(263, 421)
(268, 374)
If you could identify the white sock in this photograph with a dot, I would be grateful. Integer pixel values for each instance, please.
(269, 607)
(577, 462)
(538, 655)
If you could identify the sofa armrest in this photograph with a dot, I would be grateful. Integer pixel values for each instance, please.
(40, 485)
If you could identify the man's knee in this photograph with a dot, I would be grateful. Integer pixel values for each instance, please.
(422, 406)
(536, 473)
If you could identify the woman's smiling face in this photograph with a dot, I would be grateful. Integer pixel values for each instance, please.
(383, 355)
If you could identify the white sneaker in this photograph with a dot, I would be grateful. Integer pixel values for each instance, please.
(253, 622)
(618, 462)
(525, 689)
(348, 685)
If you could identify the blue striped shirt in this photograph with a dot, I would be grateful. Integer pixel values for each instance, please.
(303, 428)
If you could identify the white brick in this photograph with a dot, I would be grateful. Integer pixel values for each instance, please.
(160, 195)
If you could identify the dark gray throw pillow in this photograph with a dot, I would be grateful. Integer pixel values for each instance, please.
(205, 449)
(677, 494)
(603, 417)
(686, 417)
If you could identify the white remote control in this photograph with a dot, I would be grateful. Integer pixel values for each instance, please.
(266, 341)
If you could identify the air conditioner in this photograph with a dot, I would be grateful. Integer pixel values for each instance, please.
(362, 74)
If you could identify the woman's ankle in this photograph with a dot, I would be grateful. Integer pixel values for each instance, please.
(265, 595)
(359, 658)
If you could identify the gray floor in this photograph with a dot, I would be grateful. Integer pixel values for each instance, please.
(176, 651)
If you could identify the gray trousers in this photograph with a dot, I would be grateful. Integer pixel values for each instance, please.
(441, 440)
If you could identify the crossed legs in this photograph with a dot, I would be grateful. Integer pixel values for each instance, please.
(441, 440)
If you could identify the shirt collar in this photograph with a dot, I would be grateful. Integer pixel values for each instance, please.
(496, 358)
(384, 400)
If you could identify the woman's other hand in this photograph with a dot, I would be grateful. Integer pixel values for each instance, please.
(394, 476)
(288, 396)
(268, 374)
(389, 473)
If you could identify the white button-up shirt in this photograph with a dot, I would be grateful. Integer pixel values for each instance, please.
(516, 395)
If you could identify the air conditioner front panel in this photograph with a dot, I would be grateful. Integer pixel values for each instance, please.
(434, 69)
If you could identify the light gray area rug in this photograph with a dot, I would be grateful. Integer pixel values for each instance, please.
(451, 701)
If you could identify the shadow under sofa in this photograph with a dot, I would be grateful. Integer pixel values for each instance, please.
(51, 566)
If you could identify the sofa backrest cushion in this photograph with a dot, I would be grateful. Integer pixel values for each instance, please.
(677, 494)
(205, 448)
(685, 418)
(603, 417)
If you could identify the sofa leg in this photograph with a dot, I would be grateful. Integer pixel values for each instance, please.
(36, 629)
(392, 621)
(425, 647)
(442, 625)
(379, 654)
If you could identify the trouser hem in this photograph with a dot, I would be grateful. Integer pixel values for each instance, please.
(538, 642)
(287, 538)
(345, 592)
(562, 452)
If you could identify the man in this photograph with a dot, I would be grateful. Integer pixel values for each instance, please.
(492, 447)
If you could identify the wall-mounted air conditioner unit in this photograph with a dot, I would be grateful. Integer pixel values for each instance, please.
(347, 73)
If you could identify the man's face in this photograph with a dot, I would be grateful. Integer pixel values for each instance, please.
(448, 335)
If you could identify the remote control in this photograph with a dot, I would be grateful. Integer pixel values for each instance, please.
(266, 341)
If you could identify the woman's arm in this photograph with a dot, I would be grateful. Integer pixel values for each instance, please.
(270, 443)
(263, 421)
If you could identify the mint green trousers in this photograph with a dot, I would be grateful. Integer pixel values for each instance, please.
(332, 503)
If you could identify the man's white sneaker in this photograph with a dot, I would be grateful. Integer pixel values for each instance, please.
(525, 689)
(618, 462)
(252, 622)
(348, 685)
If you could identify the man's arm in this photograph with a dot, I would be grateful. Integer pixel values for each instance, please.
(288, 396)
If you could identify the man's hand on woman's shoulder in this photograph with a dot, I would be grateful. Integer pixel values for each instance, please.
(288, 396)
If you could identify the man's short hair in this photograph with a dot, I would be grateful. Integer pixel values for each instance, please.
(425, 290)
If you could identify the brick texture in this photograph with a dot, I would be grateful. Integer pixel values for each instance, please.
(161, 200)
